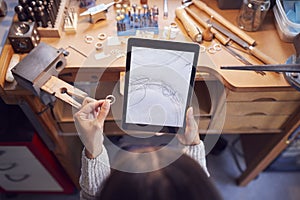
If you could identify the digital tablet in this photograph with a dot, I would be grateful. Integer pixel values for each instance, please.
(159, 83)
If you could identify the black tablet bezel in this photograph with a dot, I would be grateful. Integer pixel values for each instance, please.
(158, 44)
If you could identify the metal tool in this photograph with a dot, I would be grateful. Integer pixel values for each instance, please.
(222, 39)
(252, 50)
(38, 66)
(23, 36)
(234, 33)
(219, 36)
(165, 8)
(291, 70)
(229, 34)
(97, 13)
(70, 20)
(21, 13)
(237, 56)
(241, 58)
(202, 6)
(270, 68)
(42, 12)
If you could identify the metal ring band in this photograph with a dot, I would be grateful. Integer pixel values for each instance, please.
(115, 51)
(217, 47)
(98, 46)
(111, 98)
(102, 36)
(202, 49)
(173, 25)
(88, 39)
(211, 50)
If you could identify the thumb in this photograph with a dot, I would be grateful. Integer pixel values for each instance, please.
(103, 112)
(189, 117)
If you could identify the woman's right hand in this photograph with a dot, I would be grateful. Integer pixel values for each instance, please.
(89, 122)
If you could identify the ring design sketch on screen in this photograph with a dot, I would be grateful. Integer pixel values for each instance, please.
(143, 92)
(158, 84)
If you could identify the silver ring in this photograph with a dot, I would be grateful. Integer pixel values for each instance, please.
(211, 50)
(202, 49)
(102, 36)
(111, 98)
(115, 51)
(217, 47)
(88, 39)
(98, 46)
(173, 25)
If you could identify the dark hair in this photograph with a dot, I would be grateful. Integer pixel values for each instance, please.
(183, 178)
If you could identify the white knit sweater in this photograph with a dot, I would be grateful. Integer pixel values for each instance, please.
(95, 171)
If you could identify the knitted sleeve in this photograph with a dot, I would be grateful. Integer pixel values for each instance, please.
(93, 174)
(197, 152)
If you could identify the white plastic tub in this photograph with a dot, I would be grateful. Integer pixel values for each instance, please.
(286, 29)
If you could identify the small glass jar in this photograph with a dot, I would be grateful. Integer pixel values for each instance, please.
(252, 14)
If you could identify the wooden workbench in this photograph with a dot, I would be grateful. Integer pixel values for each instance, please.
(265, 109)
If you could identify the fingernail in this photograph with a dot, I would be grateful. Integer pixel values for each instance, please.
(106, 104)
(190, 111)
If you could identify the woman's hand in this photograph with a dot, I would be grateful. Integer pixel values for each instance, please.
(191, 135)
(89, 122)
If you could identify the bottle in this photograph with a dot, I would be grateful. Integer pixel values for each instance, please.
(252, 14)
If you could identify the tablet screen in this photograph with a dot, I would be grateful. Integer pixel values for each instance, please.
(158, 85)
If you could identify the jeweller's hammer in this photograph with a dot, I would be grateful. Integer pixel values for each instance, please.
(191, 28)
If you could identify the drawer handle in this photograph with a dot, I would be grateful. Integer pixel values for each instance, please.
(7, 166)
(256, 114)
(17, 178)
(69, 74)
(247, 128)
(264, 99)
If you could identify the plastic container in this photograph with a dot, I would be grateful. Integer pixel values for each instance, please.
(286, 29)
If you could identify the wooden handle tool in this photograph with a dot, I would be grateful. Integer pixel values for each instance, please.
(223, 21)
(64, 91)
(220, 37)
(262, 56)
(191, 28)
(67, 92)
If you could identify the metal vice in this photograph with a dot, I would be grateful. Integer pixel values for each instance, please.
(38, 73)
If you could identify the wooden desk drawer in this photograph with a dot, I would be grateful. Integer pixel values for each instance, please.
(254, 122)
(263, 96)
(261, 108)
(113, 128)
(110, 128)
